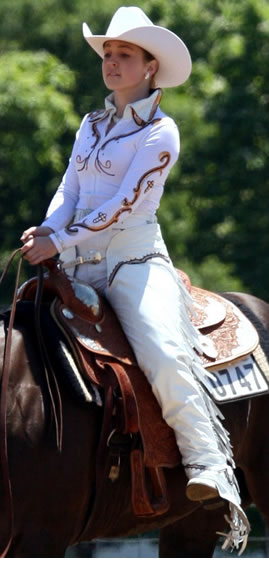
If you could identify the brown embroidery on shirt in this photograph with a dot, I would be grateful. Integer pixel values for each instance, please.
(138, 120)
(100, 115)
(97, 115)
(104, 167)
(93, 118)
(150, 184)
(73, 229)
(126, 205)
(156, 104)
(163, 157)
(101, 217)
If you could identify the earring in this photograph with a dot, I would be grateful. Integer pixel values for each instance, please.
(147, 75)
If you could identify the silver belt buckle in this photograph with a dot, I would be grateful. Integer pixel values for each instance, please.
(96, 257)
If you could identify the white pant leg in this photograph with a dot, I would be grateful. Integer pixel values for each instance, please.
(145, 297)
(94, 274)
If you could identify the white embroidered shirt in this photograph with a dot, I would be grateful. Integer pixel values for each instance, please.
(114, 172)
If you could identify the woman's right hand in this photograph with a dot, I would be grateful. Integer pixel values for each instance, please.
(39, 231)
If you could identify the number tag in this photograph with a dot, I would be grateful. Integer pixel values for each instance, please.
(238, 381)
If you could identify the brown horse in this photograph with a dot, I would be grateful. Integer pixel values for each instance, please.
(54, 491)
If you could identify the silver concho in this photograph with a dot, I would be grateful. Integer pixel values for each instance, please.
(67, 313)
(87, 295)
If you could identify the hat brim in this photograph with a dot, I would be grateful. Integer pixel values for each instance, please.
(169, 50)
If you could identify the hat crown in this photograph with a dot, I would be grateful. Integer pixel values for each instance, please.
(126, 19)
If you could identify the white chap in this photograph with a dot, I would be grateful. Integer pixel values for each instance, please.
(151, 307)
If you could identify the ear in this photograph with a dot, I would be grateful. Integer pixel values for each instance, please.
(152, 67)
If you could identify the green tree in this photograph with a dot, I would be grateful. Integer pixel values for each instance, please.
(213, 213)
(37, 124)
(224, 171)
(37, 127)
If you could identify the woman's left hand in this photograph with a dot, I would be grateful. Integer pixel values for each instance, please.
(37, 249)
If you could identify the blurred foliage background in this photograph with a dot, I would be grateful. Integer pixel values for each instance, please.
(214, 211)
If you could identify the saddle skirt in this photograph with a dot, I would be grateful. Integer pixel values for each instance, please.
(237, 367)
(231, 334)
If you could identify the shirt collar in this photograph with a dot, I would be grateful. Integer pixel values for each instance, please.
(141, 111)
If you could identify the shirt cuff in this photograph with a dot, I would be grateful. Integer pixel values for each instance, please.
(50, 224)
(57, 241)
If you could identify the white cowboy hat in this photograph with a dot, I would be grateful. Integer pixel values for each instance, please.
(131, 24)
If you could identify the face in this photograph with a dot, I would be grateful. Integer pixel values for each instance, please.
(124, 66)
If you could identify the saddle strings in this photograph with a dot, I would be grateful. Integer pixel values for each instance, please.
(46, 362)
(3, 405)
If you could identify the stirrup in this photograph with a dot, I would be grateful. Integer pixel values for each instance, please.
(201, 490)
(227, 489)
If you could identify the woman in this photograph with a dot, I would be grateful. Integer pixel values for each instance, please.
(104, 211)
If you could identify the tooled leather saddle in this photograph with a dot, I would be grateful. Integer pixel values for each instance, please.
(104, 356)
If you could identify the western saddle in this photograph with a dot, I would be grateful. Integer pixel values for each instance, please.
(132, 417)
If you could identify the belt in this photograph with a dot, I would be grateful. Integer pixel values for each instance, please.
(94, 257)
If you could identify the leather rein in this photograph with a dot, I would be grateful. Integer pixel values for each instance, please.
(57, 413)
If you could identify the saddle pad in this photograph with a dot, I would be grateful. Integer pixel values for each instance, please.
(244, 379)
(234, 338)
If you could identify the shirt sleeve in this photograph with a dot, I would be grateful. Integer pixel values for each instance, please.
(62, 206)
(157, 152)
